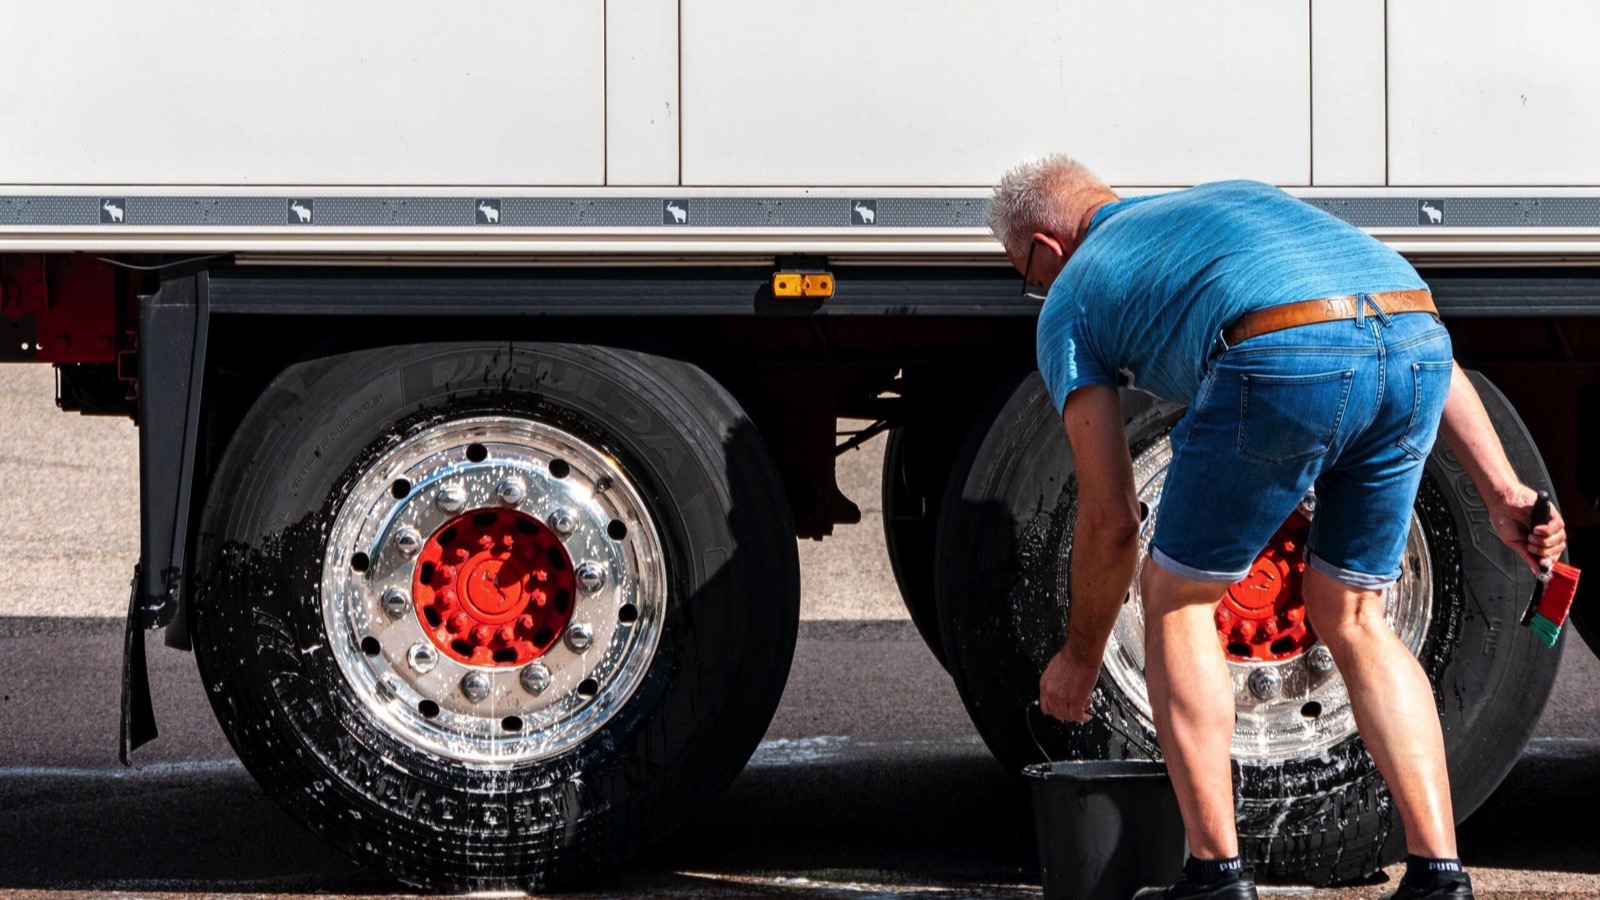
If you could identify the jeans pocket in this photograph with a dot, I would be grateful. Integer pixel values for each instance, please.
(1289, 418)
(1430, 383)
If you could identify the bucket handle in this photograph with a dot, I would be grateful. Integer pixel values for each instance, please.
(1027, 719)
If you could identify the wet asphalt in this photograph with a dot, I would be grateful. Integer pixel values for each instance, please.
(870, 783)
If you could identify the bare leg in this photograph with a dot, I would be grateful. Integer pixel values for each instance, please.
(1393, 706)
(1192, 697)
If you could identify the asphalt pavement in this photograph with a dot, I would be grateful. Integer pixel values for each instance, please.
(870, 782)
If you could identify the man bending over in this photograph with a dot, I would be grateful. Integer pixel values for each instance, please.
(1309, 355)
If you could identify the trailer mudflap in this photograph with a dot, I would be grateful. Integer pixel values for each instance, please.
(173, 325)
(138, 713)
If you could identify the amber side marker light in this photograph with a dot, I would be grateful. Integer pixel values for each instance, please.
(809, 285)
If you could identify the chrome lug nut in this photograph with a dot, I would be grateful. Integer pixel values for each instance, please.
(475, 686)
(451, 498)
(512, 490)
(1265, 683)
(564, 522)
(422, 656)
(534, 677)
(590, 577)
(1320, 660)
(579, 636)
(408, 540)
(396, 602)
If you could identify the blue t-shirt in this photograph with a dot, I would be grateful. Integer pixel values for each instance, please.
(1157, 278)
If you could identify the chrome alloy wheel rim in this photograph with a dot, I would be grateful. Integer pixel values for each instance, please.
(1293, 708)
(493, 713)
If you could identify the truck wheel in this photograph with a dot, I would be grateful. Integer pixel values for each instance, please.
(917, 460)
(490, 616)
(908, 535)
(1311, 804)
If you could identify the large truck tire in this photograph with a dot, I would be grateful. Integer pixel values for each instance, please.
(908, 535)
(1311, 804)
(495, 616)
(917, 459)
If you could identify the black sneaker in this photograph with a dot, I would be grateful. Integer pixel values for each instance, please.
(1458, 889)
(1184, 889)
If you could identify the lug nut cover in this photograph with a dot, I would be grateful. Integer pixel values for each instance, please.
(423, 657)
(396, 602)
(512, 490)
(1320, 660)
(535, 678)
(590, 577)
(580, 636)
(408, 540)
(451, 498)
(1265, 683)
(475, 686)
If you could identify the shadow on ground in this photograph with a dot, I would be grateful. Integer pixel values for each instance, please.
(908, 805)
(908, 798)
(943, 823)
(1543, 815)
(953, 825)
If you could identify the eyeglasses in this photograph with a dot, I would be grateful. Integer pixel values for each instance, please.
(1032, 290)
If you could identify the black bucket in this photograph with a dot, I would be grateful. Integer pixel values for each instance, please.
(1105, 828)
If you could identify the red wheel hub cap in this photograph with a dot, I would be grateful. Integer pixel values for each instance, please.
(1262, 617)
(494, 587)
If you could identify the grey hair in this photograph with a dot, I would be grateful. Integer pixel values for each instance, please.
(1037, 195)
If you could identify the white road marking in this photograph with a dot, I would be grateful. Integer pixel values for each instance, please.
(860, 887)
(1561, 748)
(805, 751)
(153, 770)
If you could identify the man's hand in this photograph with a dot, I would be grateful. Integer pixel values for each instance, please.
(1065, 686)
(1511, 513)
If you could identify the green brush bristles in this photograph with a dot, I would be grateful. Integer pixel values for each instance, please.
(1547, 630)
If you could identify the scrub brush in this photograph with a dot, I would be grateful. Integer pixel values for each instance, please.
(1552, 596)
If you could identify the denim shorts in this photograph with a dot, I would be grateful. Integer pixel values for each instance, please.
(1350, 406)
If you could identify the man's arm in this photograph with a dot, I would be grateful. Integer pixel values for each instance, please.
(1105, 547)
(1467, 429)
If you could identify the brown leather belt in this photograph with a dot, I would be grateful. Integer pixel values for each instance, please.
(1327, 309)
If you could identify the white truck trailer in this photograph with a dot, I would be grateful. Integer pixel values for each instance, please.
(488, 357)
